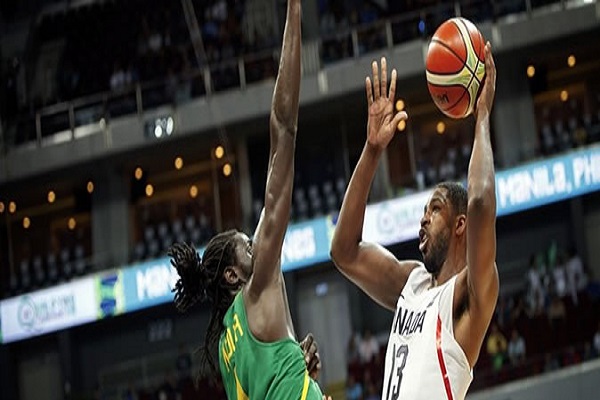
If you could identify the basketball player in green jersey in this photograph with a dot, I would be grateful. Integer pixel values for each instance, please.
(259, 357)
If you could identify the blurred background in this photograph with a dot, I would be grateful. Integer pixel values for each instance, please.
(129, 124)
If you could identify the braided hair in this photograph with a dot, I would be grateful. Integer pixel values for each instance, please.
(201, 279)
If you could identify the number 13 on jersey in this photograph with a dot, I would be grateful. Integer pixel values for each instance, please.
(395, 379)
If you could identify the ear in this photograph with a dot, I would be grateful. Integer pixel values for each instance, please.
(460, 225)
(231, 276)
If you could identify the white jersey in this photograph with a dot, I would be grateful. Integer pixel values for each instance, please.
(423, 359)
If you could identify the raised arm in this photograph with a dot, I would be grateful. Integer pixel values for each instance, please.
(370, 266)
(481, 211)
(273, 222)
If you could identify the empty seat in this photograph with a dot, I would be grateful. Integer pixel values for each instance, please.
(52, 267)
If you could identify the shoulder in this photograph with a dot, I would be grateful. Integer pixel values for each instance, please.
(417, 276)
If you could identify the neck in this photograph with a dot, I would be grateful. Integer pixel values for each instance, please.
(234, 292)
(455, 262)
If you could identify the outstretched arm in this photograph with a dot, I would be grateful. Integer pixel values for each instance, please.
(370, 266)
(273, 222)
(481, 211)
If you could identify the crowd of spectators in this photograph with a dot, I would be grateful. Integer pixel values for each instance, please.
(552, 324)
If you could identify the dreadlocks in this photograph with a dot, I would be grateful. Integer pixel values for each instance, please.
(201, 279)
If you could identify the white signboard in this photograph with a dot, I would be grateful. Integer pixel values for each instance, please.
(48, 310)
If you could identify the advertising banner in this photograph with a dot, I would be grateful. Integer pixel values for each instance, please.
(305, 243)
(143, 285)
(110, 298)
(48, 310)
(148, 284)
(543, 182)
(396, 220)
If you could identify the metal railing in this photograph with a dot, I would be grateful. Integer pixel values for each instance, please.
(59, 122)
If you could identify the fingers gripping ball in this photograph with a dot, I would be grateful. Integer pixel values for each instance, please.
(455, 67)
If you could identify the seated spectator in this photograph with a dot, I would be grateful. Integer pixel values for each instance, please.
(550, 363)
(557, 317)
(516, 348)
(559, 277)
(369, 347)
(557, 313)
(519, 315)
(372, 393)
(571, 357)
(354, 389)
(353, 349)
(130, 393)
(576, 277)
(496, 347)
(503, 311)
(588, 353)
(535, 289)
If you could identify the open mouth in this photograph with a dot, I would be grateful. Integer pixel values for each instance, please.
(422, 239)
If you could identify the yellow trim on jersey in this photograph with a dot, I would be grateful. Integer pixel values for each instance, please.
(240, 394)
(305, 386)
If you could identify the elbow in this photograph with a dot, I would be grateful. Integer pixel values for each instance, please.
(339, 261)
(283, 123)
(342, 254)
(337, 255)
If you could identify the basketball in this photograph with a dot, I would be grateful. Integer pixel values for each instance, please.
(455, 67)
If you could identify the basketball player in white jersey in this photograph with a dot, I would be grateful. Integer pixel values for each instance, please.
(443, 306)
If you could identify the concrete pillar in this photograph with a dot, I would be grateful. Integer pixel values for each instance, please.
(514, 124)
(245, 184)
(110, 220)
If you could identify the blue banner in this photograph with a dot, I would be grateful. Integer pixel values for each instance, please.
(147, 284)
(151, 283)
(305, 244)
(548, 181)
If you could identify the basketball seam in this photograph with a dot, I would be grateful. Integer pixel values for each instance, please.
(451, 50)
(465, 44)
(473, 73)
(478, 60)
(464, 62)
(476, 67)
(466, 91)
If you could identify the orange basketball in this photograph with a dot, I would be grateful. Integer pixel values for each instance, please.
(455, 67)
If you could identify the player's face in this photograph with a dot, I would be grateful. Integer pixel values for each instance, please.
(243, 254)
(434, 235)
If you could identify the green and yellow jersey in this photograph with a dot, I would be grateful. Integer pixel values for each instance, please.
(254, 370)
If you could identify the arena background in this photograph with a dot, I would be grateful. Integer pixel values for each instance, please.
(128, 124)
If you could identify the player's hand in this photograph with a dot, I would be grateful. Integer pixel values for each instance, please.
(382, 123)
(311, 356)
(326, 397)
(485, 100)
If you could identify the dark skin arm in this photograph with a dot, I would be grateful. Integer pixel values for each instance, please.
(264, 295)
(478, 284)
(370, 266)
